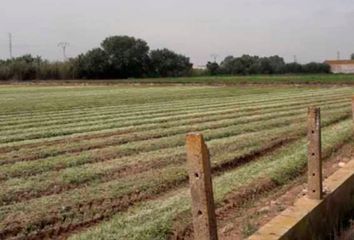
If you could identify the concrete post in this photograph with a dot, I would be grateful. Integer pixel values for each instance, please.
(199, 170)
(314, 154)
(353, 110)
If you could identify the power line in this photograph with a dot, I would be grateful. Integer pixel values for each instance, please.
(64, 45)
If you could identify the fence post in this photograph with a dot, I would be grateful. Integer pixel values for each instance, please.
(314, 153)
(203, 209)
(353, 108)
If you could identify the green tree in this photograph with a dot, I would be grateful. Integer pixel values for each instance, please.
(24, 67)
(244, 65)
(293, 68)
(127, 56)
(93, 64)
(277, 64)
(352, 56)
(227, 65)
(166, 63)
(213, 68)
(314, 67)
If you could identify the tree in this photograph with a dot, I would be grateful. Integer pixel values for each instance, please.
(352, 56)
(248, 63)
(227, 65)
(277, 64)
(293, 68)
(127, 56)
(24, 67)
(244, 65)
(93, 64)
(166, 63)
(213, 68)
(313, 67)
(264, 66)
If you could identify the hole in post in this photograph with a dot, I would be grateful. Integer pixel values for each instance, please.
(313, 174)
(313, 154)
(313, 191)
(313, 131)
(196, 175)
(199, 213)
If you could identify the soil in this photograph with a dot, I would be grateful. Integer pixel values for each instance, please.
(56, 228)
(241, 222)
(240, 215)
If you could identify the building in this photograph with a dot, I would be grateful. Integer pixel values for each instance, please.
(341, 66)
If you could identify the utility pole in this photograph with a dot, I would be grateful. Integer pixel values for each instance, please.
(295, 59)
(10, 45)
(338, 55)
(64, 45)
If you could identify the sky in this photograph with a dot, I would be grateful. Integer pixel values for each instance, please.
(313, 30)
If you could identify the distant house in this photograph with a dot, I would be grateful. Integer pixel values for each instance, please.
(341, 66)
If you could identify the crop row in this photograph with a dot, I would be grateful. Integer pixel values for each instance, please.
(224, 148)
(29, 134)
(71, 208)
(155, 219)
(33, 167)
(153, 108)
(70, 159)
(161, 130)
(29, 105)
(148, 113)
(128, 109)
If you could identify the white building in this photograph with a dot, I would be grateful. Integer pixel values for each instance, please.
(341, 66)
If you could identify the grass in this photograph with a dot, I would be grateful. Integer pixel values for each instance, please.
(227, 80)
(256, 79)
(153, 220)
(71, 156)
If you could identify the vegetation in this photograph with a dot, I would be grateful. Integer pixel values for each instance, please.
(122, 57)
(248, 65)
(29, 68)
(166, 63)
(308, 79)
(119, 57)
(74, 156)
(154, 219)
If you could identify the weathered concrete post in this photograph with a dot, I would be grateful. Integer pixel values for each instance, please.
(314, 153)
(353, 109)
(203, 209)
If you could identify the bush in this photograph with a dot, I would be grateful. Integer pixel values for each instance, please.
(246, 65)
(166, 63)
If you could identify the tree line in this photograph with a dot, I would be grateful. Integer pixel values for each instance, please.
(120, 57)
(247, 65)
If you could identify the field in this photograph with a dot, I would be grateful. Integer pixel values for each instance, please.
(305, 79)
(108, 162)
(256, 79)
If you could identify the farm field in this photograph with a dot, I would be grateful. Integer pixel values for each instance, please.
(304, 79)
(99, 162)
(291, 79)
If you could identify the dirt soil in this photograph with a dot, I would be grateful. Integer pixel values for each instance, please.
(243, 221)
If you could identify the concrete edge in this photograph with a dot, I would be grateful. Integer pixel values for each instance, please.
(315, 219)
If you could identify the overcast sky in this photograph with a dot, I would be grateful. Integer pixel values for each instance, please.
(311, 29)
